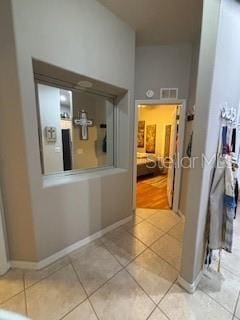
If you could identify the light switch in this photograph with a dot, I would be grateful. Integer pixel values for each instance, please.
(57, 149)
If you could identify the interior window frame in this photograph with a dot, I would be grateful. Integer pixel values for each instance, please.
(80, 171)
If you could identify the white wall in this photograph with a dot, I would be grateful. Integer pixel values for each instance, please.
(173, 66)
(84, 37)
(218, 82)
(163, 67)
(185, 187)
(13, 170)
(49, 109)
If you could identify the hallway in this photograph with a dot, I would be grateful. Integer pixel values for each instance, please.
(129, 273)
(80, 81)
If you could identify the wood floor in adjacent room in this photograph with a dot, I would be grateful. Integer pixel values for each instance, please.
(152, 193)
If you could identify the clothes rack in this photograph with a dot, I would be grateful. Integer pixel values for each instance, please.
(223, 195)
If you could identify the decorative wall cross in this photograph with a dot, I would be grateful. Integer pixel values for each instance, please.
(84, 123)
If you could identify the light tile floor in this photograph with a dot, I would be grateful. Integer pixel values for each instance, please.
(130, 273)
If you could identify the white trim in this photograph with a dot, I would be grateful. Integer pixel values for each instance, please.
(52, 181)
(5, 268)
(190, 287)
(4, 264)
(181, 214)
(47, 261)
(181, 130)
(24, 265)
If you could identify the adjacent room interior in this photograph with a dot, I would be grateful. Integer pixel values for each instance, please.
(156, 148)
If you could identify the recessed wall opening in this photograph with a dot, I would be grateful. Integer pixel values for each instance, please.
(76, 120)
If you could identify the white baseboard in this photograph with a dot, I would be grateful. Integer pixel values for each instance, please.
(190, 287)
(28, 265)
(47, 261)
(181, 214)
(4, 269)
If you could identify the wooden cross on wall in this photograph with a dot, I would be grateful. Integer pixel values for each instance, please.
(84, 123)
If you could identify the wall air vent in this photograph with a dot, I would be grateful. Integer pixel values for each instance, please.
(169, 93)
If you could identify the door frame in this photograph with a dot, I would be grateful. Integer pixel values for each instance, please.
(4, 264)
(181, 131)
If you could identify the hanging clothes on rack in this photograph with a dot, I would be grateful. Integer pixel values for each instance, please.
(216, 207)
(222, 198)
(229, 205)
(234, 136)
(236, 191)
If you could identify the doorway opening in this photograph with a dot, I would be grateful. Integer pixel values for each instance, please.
(159, 135)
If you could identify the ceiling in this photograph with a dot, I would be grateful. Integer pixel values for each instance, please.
(159, 22)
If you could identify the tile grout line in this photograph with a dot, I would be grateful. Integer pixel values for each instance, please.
(230, 271)
(87, 296)
(70, 311)
(236, 305)
(25, 288)
(215, 301)
(165, 294)
(156, 307)
(169, 289)
(108, 280)
(147, 247)
(125, 269)
(122, 267)
(51, 273)
(151, 215)
(138, 284)
(12, 297)
(131, 260)
(94, 311)
(172, 229)
(104, 245)
(174, 267)
(164, 234)
(84, 300)
(70, 261)
(156, 303)
(159, 228)
(167, 317)
(103, 284)
(173, 284)
(25, 294)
